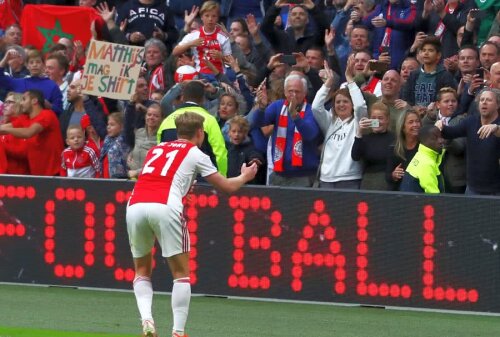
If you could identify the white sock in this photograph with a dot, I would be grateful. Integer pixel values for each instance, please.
(181, 296)
(143, 290)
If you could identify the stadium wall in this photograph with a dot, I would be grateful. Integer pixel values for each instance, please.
(387, 249)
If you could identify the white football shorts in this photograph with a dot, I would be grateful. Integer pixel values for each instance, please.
(147, 221)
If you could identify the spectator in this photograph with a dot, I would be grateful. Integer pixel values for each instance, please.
(155, 53)
(242, 151)
(114, 151)
(424, 83)
(392, 23)
(13, 35)
(370, 146)
(208, 43)
(146, 19)
(483, 151)
(339, 126)
(15, 148)
(295, 138)
(135, 111)
(391, 88)
(442, 19)
(489, 53)
(227, 109)
(79, 160)
(56, 68)
(422, 174)
(409, 64)
(404, 148)
(15, 67)
(40, 128)
(315, 57)
(145, 138)
(213, 145)
(80, 105)
(453, 164)
(297, 37)
(37, 81)
(468, 62)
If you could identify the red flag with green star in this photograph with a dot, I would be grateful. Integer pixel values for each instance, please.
(44, 25)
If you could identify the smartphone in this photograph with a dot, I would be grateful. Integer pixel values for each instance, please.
(379, 67)
(480, 14)
(384, 50)
(480, 72)
(295, 2)
(288, 59)
(374, 123)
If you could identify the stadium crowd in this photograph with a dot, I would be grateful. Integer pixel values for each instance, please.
(324, 93)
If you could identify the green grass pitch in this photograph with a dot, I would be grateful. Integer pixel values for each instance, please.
(27, 311)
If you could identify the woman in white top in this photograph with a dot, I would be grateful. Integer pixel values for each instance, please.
(339, 126)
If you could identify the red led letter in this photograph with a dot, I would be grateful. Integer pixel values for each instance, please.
(68, 270)
(372, 289)
(239, 278)
(430, 291)
(319, 229)
(191, 205)
(10, 225)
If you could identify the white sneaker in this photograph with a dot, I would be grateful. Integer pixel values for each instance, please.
(148, 329)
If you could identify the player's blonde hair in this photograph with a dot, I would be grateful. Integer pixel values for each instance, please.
(188, 123)
(208, 6)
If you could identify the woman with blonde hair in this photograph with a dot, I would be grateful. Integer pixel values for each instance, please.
(403, 150)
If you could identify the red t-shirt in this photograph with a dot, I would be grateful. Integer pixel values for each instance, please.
(44, 148)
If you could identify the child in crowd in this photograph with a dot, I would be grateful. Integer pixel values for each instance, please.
(241, 150)
(78, 159)
(114, 151)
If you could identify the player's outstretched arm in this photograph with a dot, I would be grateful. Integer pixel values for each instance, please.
(230, 185)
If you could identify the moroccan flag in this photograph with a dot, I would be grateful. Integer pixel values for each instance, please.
(44, 25)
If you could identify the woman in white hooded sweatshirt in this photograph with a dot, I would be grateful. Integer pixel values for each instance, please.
(339, 125)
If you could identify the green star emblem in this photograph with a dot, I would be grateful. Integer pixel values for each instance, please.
(50, 34)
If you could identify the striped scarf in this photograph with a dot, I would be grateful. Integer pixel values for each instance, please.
(280, 145)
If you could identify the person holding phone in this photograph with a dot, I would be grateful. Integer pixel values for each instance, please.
(372, 140)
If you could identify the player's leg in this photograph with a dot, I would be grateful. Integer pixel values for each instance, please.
(141, 238)
(143, 291)
(174, 240)
(181, 291)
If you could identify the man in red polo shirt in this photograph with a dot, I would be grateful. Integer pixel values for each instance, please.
(41, 130)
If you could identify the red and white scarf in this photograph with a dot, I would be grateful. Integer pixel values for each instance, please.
(157, 80)
(280, 144)
(441, 27)
(386, 41)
